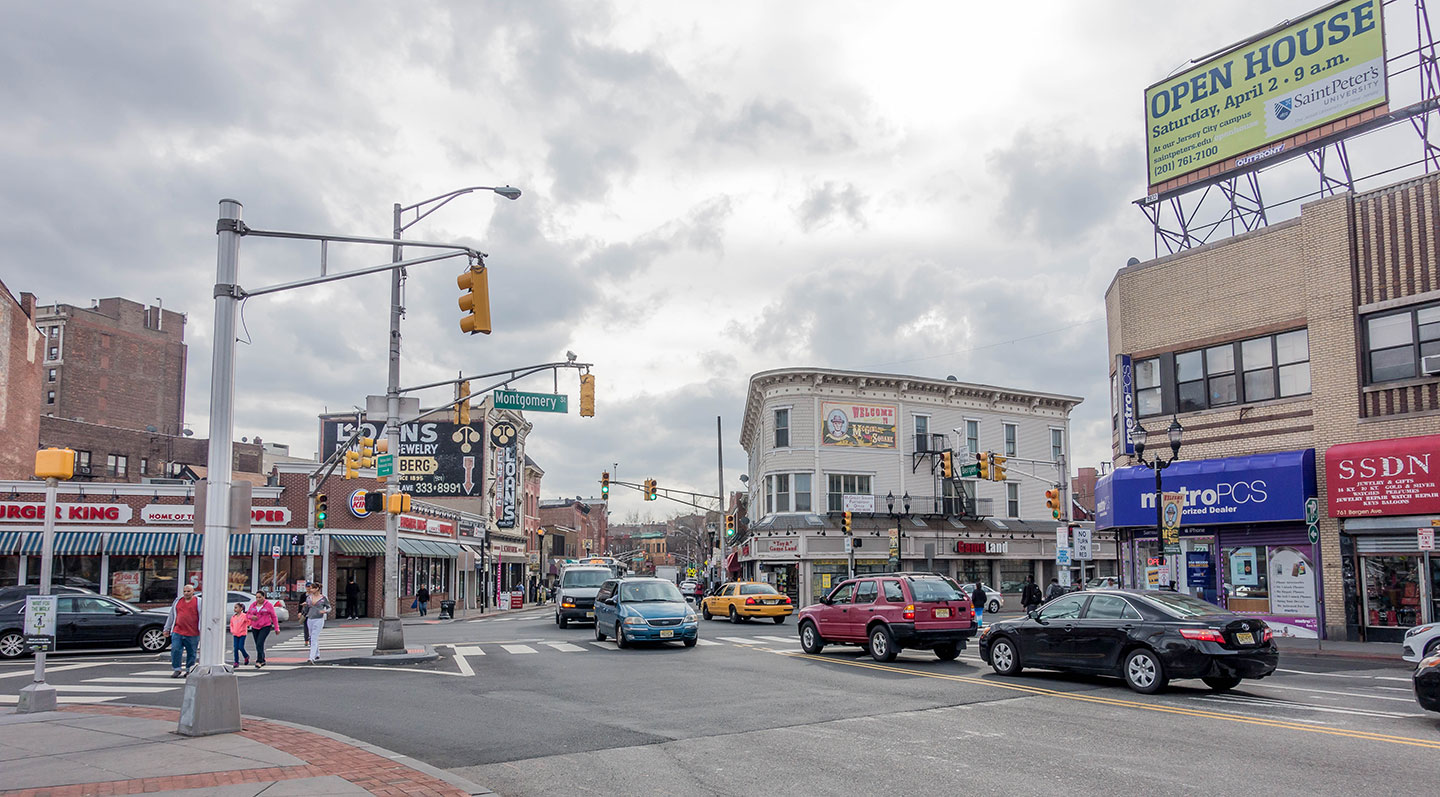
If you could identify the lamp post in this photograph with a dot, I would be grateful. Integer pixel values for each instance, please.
(390, 638)
(1159, 463)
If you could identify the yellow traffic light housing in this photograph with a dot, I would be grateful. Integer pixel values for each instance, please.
(947, 465)
(605, 484)
(462, 409)
(397, 503)
(55, 463)
(649, 489)
(367, 452)
(475, 301)
(729, 526)
(322, 509)
(982, 460)
(997, 467)
(845, 522)
(1052, 502)
(352, 464)
(587, 395)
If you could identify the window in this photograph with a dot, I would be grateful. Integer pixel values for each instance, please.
(842, 593)
(1066, 608)
(1220, 375)
(54, 332)
(1110, 607)
(840, 485)
(1257, 369)
(867, 592)
(787, 492)
(82, 459)
(1292, 361)
(893, 594)
(801, 482)
(972, 436)
(1147, 387)
(1057, 444)
(49, 397)
(1114, 401)
(922, 432)
(782, 428)
(144, 466)
(1396, 342)
(53, 353)
(117, 464)
(1011, 431)
(50, 375)
(1012, 500)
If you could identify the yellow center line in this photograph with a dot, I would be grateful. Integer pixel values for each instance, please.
(1110, 701)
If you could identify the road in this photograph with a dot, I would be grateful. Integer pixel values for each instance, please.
(528, 708)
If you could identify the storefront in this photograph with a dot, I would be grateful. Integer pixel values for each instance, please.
(1387, 495)
(1243, 542)
(512, 566)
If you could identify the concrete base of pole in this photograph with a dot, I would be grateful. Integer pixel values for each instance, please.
(391, 637)
(36, 697)
(212, 702)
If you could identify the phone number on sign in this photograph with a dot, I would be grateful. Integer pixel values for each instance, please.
(431, 488)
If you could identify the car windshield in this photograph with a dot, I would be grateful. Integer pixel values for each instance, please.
(644, 591)
(927, 590)
(1181, 604)
(757, 589)
(585, 579)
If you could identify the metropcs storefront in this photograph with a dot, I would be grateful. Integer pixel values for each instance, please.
(1243, 545)
(1387, 494)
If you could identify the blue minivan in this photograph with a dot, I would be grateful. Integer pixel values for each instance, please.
(640, 609)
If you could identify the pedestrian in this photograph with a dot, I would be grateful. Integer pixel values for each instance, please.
(262, 622)
(239, 627)
(302, 608)
(316, 607)
(1055, 590)
(352, 599)
(183, 626)
(977, 601)
(1030, 596)
(422, 599)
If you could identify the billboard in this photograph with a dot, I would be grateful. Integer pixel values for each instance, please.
(1261, 98)
(857, 425)
(436, 458)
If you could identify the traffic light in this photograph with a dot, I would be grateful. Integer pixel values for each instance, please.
(997, 467)
(982, 459)
(845, 522)
(462, 408)
(649, 489)
(947, 465)
(322, 509)
(352, 464)
(587, 395)
(374, 501)
(475, 301)
(1052, 502)
(729, 526)
(367, 452)
(605, 484)
(397, 503)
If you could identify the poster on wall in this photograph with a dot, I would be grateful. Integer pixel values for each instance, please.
(125, 585)
(1292, 582)
(1243, 568)
(857, 425)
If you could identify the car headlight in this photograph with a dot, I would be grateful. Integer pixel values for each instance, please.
(1430, 662)
(634, 621)
(691, 617)
(985, 630)
(1420, 629)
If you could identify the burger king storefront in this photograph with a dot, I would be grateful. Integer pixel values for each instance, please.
(1243, 542)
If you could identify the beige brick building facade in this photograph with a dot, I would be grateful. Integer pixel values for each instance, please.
(1343, 271)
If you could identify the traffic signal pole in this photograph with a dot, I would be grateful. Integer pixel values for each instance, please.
(720, 498)
(390, 638)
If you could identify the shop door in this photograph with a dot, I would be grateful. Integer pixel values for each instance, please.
(361, 574)
(787, 581)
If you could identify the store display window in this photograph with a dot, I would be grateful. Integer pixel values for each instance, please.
(144, 579)
(1392, 590)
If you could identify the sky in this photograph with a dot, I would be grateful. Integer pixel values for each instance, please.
(709, 190)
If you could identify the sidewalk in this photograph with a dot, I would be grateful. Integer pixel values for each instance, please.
(86, 750)
(1388, 652)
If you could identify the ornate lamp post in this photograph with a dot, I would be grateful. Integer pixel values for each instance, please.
(1159, 463)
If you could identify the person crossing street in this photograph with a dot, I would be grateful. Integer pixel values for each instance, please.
(316, 607)
(1030, 597)
(183, 626)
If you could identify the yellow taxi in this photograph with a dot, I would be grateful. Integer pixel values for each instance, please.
(745, 599)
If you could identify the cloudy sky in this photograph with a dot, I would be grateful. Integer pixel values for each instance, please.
(710, 190)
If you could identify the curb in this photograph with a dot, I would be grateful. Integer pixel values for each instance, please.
(371, 660)
(1322, 654)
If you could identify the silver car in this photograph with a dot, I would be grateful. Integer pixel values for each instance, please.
(994, 601)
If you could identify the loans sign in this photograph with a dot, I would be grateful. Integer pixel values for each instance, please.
(1259, 99)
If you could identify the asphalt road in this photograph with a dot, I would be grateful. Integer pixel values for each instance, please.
(527, 708)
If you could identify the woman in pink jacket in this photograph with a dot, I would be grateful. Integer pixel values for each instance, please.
(262, 622)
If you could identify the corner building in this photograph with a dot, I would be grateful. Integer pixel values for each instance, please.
(1295, 357)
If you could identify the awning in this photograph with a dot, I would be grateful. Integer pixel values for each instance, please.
(240, 545)
(732, 564)
(195, 544)
(1258, 488)
(9, 541)
(359, 544)
(143, 543)
(266, 542)
(441, 550)
(68, 543)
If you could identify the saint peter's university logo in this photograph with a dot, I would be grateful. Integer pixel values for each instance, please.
(1282, 109)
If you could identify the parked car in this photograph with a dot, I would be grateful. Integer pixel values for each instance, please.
(1103, 582)
(1427, 683)
(742, 600)
(692, 590)
(1421, 642)
(643, 609)
(1145, 637)
(888, 613)
(578, 585)
(994, 601)
(236, 596)
(9, 594)
(87, 620)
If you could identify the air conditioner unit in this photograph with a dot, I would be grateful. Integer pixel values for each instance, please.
(82, 470)
(1430, 365)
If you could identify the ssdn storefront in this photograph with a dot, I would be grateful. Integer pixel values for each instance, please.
(1243, 542)
(1387, 495)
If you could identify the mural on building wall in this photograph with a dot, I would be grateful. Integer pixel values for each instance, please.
(857, 425)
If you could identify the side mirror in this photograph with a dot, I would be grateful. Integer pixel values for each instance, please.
(825, 600)
(1034, 614)
(119, 612)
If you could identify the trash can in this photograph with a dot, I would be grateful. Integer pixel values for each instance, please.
(447, 610)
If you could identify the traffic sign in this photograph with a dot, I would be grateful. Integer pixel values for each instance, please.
(39, 623)
(1314, 531)
(1084, 544)
(1312, 511)
(275, 552)
(971, 471)
(1427, 539)
(1062, 557)
(385, 465)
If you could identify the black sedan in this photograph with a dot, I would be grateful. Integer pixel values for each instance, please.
(1427, 683)
(87, 621)
(1145, 637)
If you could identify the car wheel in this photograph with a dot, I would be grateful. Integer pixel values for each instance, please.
(992, 607)
(1004, 657)
(882, 644)
(12, 645)
(810, 640)
(563, 622)
(734, 616)
(1143, 671)
(946, 652)
(620, 640)
(1222, 683)
(1432, 648)
(153, 639)
(690, 643)
(599, 635)
(779, 620)
(705, 612)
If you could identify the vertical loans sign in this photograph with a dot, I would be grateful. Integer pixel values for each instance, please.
(503, 437)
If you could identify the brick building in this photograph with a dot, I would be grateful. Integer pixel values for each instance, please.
(118, 363)
(585, 519)
(1288, 355)
(118, 454)
(21, 352)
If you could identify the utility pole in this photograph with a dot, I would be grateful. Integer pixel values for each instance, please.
(391, 635)
(724, 505)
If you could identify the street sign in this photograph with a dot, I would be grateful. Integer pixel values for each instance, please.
(1314, 531)
(531, 402)
(971, 471)
(1084, 544)
(849, 544)
(1312, 511)
(385, 465)
(857, 503)
(39, 623)
(275, 552)
(1427, 539)
(1062, 536)
(1062, 557)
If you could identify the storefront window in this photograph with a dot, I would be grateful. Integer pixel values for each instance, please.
(416, 572)
(1246, 582)
(74, 571)
(1392, 590)
(973, 570)
(9, 571)
(1276, 582)
(144, 579)
(280, 578)
(1013, 573)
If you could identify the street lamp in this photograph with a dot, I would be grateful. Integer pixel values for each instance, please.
(1158, 463)
(390, 638)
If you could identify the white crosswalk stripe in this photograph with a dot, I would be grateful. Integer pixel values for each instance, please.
(781, 639)
(338, 639)
(738, 640)
(705, 642)
(519, 649)
(565, 647)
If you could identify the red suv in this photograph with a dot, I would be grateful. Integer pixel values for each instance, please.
(886, 613)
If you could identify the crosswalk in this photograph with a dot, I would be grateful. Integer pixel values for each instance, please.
(330, 639)
(765, 642)
(102, 689)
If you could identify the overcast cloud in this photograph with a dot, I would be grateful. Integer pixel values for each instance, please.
(710, 190)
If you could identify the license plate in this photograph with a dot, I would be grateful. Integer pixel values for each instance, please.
(1245, 638)
(590, 614)
(942, 612)
(666, 634)
(772, 602)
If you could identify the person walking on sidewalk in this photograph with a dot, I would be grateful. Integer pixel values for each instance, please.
(422, 599)
(352, 599)
(977, 601)
(1055, 590)
(183, 626)
(1030, 596)
(316, 607)
(262, 622)
(239, 627)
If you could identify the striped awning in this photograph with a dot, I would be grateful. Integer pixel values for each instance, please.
(269, 541)
(67, 543)
(9, 541)
(195, 544)
(439, 550)
(240, 544)
(359, 544)
(143, 543)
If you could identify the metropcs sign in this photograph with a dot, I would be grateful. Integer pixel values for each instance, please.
(1260, 488)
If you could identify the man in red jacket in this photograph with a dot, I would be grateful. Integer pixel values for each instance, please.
(183, 626)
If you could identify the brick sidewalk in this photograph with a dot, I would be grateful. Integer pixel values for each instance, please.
(323, 756)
